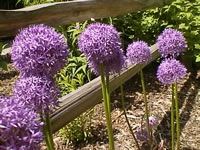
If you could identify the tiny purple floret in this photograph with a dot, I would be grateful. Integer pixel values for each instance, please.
(142, 135)
(153, 121)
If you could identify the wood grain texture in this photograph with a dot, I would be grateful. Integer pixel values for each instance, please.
(55, 14)
(87, 96)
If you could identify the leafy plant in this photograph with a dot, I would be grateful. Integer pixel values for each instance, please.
(3, 64)
(75, 74)
(72, 33)
(147, 25)
(78, 130)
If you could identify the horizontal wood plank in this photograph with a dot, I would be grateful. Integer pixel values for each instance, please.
(55, 14)
(87, 96)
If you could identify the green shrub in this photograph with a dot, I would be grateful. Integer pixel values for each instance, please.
(78, 130)
(147, 25)
(75, 74)
(3, 64)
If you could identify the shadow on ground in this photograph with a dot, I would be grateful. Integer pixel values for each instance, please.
(163, 129)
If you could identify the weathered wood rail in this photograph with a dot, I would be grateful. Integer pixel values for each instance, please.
(55, 14)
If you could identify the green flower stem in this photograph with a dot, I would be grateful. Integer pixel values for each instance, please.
(49, 131)
(108, 116)
(172, 119)
(108, 95)
(146, 108)
(45, 132)
(177, 117)
(124, 109)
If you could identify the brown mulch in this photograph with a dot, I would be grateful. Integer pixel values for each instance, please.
(159, 98)
(7, 80)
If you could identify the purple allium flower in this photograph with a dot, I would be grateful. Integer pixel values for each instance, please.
(138, 52)
(101, 44)
(170, 71)
(38, 92)
(39, 48)
(20, 128)
(142, 135)
(153, 121)
(171, 42)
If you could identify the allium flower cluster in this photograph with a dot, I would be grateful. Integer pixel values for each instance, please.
(170, 71)
(138, 52)
(142, 135)
(20, 128)
(38, 92)
(101, 44)
(153, 121)
(171, 42)
(39, 49)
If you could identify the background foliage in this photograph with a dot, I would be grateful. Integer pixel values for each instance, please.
(3, 63)
(147, 25)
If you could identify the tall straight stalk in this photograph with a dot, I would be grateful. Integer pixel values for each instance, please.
(177, 117)
(146, 107)
(108, 95)
(108, 116)
(45, 132)
(124, 109)
(172, 119)
(49, 131)
(48, 136)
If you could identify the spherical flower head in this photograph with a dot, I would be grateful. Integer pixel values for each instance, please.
(39, 48)
(38, 92)
(101, 44)
(170, 71)
(153, 121)
(20, 128)
(171, 43)
(142, 135)
(138, 52)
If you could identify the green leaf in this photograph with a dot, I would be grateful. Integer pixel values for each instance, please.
(183, 26)
(197, 46)
(81, 69)
(3, 65)
(198, 59)
(194, 32)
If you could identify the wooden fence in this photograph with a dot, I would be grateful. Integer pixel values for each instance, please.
(54, 14)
